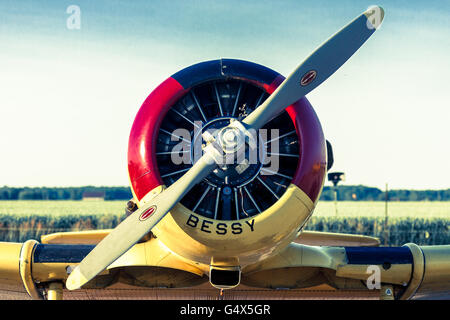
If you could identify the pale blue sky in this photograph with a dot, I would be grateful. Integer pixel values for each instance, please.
(68, 97)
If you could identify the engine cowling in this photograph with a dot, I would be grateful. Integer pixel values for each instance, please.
(232, 217)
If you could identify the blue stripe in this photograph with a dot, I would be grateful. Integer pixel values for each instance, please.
(379, 255)
(224, 69)
(248, 70)
(67, 253)
(198, 73)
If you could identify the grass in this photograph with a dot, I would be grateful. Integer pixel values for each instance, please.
(424, 223)
(376, 209)
(372, 209)
(23, 220)
(61, 208)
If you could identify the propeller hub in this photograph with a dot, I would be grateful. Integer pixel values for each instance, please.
(237, 167)
(231, 139)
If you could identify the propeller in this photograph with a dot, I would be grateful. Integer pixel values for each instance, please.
(321, 64)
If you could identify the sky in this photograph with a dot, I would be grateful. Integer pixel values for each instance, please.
(68, 97)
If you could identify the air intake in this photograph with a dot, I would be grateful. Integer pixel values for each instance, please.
(224, 277)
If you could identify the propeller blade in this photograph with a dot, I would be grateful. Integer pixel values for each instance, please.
(320, 65)
(134, 227)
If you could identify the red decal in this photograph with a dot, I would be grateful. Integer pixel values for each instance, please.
(147, 213)
(308, 78)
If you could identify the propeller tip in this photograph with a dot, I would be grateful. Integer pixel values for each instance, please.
(75, 280)
(375, 16)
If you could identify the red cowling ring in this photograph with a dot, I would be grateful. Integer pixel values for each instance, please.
(142, 166)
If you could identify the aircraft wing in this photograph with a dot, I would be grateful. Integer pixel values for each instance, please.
(40, 270)
(319, 238)
(398, 272)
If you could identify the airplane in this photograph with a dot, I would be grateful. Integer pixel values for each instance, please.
(210, 222)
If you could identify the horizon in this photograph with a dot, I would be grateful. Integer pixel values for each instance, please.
(127, 186)
(69, 96)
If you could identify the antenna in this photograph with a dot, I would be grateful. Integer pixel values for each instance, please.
(335, 178)
(386, 228)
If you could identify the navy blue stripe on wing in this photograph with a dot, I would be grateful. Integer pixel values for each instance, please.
(379, 255)
(65, 253)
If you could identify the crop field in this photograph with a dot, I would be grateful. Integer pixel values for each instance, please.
(376, 209)
(23, 220)
(29, 208)
(424, 223)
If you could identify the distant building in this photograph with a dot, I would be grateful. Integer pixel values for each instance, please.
(93, 196)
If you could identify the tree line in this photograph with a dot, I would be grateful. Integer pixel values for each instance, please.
(344, 193)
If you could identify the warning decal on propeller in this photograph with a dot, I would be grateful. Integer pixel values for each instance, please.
(147, 213)
(308, 78)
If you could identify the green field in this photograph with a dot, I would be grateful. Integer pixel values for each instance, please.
(61, 208)
(425, 223)
(404, 209)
